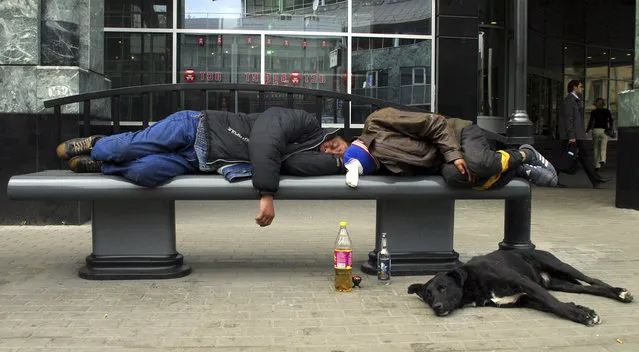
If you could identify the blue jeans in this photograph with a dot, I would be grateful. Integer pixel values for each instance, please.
(153, 155)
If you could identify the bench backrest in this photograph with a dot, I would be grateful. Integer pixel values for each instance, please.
(177, 92)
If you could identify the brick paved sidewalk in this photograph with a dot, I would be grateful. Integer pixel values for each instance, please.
(255, 289)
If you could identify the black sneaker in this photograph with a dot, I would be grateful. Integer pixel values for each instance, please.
(76, 146)
(84, 164)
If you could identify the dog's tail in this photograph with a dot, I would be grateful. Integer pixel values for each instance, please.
(415, 288)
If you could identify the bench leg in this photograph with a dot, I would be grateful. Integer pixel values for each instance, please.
(133, 240)
(420, 236)
(517, 224)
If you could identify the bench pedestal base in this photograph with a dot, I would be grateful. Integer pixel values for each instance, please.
(134, 268)
(420, 236)
(404, 264)
(134, 240)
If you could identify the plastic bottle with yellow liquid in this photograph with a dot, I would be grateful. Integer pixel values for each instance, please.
(343, 260)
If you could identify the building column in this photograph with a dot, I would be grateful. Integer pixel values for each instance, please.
(519, 128)
(457, 31)
(54, 48)
(627, 188)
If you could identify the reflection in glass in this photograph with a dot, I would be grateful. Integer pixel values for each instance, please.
(553, 54)
(574, 56)
(617, 87)
(621, 63)
(138, 14)
(133, 59)
(377, 16)
(281, 15)
(392, 17)
(220, 58)
(492, 71)
(305, 62)
(492, 12)
(401, 74)
(596, 85)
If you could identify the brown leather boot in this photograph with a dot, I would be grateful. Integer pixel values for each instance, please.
(76, 146)
(84, 164)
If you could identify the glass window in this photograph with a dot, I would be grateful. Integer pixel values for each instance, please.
(493, 12)
(598, 17)
(554, 50)
(621, 79)
(492, 71)
(401, 74)
(223, 59)
(133, 59)
(574, 20)
(220, 58)
(392, 17)
(621, 64)
(574, 56)
(621, 24)
(138, 14)
(277, 15)
(596, 85)
(306, 60)
(536, 55)
(554, 17)
(617, 87)
(377, 16)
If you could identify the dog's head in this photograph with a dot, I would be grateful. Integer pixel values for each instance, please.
(444, 292)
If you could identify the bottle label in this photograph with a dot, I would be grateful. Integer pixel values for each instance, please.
(383, 269)
(343, 258)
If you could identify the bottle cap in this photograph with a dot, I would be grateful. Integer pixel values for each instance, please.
(342, 223)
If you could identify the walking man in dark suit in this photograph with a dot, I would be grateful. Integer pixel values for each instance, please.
(572, 129)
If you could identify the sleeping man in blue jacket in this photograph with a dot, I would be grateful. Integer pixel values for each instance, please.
(236, 145)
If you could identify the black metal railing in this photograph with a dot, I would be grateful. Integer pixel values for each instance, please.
(176, 94)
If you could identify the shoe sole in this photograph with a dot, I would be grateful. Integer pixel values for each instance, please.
(77, 164)
(61, 151)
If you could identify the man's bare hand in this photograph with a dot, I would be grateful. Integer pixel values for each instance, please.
(574, 140)
(460, 164)
(267, 211)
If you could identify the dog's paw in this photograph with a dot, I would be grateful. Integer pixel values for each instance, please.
(585, 315)
(594, 319)
(623, 295)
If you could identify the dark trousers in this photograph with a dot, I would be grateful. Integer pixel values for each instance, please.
(584, 159)
(491, 168)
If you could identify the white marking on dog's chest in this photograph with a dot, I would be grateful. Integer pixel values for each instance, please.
(506, 299)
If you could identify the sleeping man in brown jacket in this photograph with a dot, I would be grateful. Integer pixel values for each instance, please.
(412, 143)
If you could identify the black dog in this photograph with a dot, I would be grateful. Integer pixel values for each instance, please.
(515, 278)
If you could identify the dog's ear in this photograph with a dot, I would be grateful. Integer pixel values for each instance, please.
(415, 288)
(460, 275)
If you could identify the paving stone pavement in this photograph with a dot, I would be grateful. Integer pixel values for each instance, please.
(270, 289)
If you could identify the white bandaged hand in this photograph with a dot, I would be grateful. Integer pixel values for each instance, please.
(354, 169)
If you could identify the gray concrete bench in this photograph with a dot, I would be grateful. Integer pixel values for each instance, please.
(134, 227)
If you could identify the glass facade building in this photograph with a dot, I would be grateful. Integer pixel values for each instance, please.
(592, 41)
(381, 49)
(377, 48)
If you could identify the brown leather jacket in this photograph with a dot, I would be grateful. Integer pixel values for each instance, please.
(403, 140)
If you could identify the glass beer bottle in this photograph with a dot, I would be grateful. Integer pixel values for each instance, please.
(343, 260)
(384, 263)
